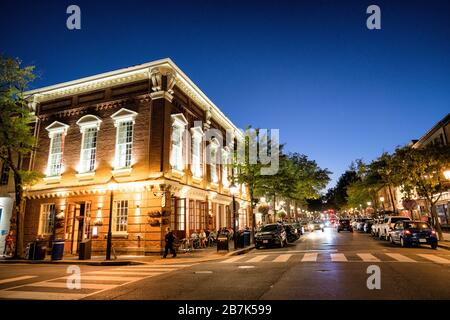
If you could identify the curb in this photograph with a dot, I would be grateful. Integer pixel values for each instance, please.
(74, 262)
(446, 247)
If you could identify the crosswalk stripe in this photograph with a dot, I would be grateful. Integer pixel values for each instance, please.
(160, 265)
(40, 295)
(146, 269)
(309, 257)
(338, 257)
(282, 258)
(108, 278)
(233, 259)
(16, 279)
(49, 284)
(126, 273)
(400, 257)
(367, 257)
(258, 258)
(434, 258)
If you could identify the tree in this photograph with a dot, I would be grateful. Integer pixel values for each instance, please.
(16, 136)
(422, 170)
(337, 196)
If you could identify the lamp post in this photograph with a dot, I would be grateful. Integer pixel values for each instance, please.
(112, 185)
(234, 190)
(382, 203)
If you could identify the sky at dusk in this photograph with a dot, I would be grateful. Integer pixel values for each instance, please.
(336, 90)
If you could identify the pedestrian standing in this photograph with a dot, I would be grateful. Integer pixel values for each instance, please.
(170, 239)
(9, 244)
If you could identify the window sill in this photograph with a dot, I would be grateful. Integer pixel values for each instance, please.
(121, 235)
(52, 179)
(122, 172)
(85, 175)
(215, 185)
(197, 179)
(177, 173)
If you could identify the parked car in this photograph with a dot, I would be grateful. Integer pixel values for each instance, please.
(344, 224)
(292, 233)
(304, 225)
(271, 235)
(316, 225)
(298, 227)
(376, 227)
(388, 224)
(368, 226)
(413, 232)
(360, 224)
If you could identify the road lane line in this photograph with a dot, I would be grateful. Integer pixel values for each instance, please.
(125, 273)
(367, 257)
(16, 279)
(161, 265)
(233, 259)
(107, 278)
(282, 257)
(434, 258)
(338, 257)
(310, 257)
(257, 258)
(399, 257)
(63, 285)
(32, 295)
(146, 269)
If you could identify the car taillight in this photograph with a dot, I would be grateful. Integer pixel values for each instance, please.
(407, 232)
(433, 232)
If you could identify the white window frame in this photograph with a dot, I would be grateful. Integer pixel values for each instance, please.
(213, 150)
(56, 129)
(120, 118)
(88, 123)
(197, 140)
(225, 166)
(47, 219)
(121, 215)
(179, 124)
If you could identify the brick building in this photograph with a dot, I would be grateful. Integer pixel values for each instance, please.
(146, 128)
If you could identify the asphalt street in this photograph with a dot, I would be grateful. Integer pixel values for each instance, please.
(321, 265)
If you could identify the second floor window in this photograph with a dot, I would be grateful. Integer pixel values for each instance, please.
(56, 154)
(88, 150)
(177, 148)
(124, 144)
(213, 165)
(225, 164)
(196, 156)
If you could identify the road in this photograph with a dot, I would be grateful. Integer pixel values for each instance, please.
(321, 265)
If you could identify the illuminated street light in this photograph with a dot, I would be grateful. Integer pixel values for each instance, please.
(447, 174)
(369, 203)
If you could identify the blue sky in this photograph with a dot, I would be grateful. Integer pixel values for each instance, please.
(336, 90)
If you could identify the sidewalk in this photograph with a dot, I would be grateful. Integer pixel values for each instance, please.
(198, 255)
(445, 244)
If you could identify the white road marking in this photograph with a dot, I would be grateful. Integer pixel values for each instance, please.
(367, 257)
(309, 257)
(233, 259)
(107, 278)
(257, 258)
(40, 295)
(200, 272)
(434, 258)
(338, 257)
(63, 285)
(126, 273)
(160, 265)
(146, 269)
(246, 267)
(16, 279)
(282, 257)
(400, 257)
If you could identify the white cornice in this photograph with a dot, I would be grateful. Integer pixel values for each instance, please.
(132, 74)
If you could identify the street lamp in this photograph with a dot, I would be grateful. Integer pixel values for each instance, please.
(112, 185)
(369, 203)
(447, 174)
(382, 202)
(234, 190)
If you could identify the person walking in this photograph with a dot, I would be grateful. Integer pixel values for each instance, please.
(170, 239)
(202, 236)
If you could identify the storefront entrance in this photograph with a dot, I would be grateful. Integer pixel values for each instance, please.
(78, 226)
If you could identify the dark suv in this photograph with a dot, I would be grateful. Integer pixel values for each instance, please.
(344, 224)
(271, 235)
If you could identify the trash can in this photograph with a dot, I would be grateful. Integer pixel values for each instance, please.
(57, 249)
(222, 243)
(84, 251)
(37, 250)
(240, 240)
(246, 238)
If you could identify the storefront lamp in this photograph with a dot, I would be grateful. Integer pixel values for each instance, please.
(382, 199)
(447, 174)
